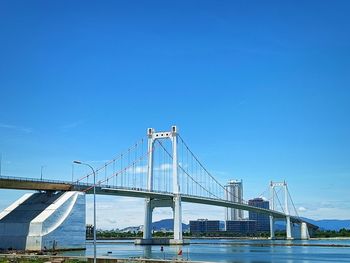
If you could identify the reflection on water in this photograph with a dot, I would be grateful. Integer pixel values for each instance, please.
(225, 250)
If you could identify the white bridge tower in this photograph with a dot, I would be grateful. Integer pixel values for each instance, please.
(290, 234)
(151, 203)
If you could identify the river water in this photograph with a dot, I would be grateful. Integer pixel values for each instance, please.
(228, 250)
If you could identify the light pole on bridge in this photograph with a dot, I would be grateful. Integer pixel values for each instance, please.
(94, 231)
(41, 172)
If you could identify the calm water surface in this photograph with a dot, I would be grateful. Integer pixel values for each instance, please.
(227, 250)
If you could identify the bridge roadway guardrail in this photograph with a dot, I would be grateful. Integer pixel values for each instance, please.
(34, 180)
(82, 186)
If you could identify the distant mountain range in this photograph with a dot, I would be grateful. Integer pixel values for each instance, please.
(168, 224)
(329, 224)
(324, 224)
(162, 225)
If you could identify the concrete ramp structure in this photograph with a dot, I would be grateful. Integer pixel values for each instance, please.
(46, 220)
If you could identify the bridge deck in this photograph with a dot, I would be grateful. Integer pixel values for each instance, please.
(21, 183)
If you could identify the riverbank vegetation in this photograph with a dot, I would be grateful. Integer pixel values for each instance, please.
(110, 234)
(322, 233)
(114, 234)
(332, 233)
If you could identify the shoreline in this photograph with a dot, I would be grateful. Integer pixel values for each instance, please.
(75, 259)
(211, 241)
(60, 256)
(219, 238)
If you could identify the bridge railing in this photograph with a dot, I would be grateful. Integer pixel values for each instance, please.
(81, 186)
(28, 179)
(89, 186)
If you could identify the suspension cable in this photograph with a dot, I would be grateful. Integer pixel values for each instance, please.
(290, 197)
(278, 199)
(183, 170)
(119, 156)
(208, 173)
(118, 172)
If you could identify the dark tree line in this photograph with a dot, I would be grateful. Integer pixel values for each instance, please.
(117, 234)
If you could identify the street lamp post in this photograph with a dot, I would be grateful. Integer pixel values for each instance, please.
(94, 232)
(41, 172)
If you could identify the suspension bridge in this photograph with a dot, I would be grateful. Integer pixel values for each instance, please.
(164, 171)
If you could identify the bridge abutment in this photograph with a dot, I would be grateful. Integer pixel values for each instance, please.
(42, 221)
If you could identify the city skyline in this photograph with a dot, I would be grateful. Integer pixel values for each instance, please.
(259, 95)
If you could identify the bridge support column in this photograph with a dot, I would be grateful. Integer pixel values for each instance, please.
(177, 219)
(304, 231)
(288, 228)
(151, 204)
(272, 207)
(147, 226)
(272, 227)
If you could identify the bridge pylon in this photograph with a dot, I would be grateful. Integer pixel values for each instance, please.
(151, 203)
(274, 185)
(294, 230)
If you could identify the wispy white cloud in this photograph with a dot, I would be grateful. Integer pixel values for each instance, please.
(242, 102)
(302, 209)
(140, 169)
(116, 212)
(15, 128)
(143, 168)
(325, 209)
(264, 198)
(164, 167)
(69, 126)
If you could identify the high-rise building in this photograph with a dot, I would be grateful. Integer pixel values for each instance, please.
(204, 226)
(234, 193)
(244, 227)
(262, 220)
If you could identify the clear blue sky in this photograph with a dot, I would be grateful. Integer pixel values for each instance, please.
(259, 89)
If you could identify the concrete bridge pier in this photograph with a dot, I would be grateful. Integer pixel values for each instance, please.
(177, 220)
(150, 205)
(288, 228)
(300, 231)
(147, 226)
(272, 227)
(304, 231)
